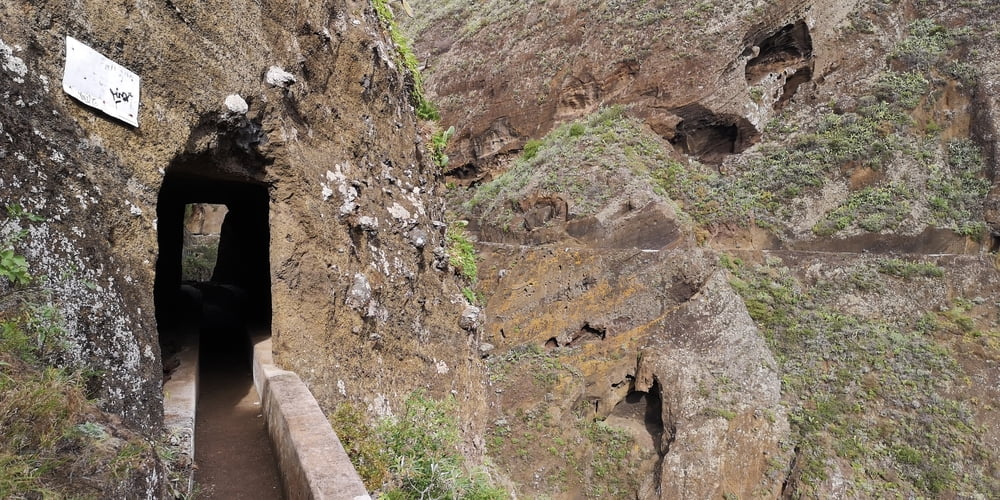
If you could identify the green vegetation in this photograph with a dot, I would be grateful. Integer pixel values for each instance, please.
(545, 367)
(439, 142)
(414, 455)
(904, 89)
(908, 269)
(363, 444)
(472, 296)
(14, 267)
(610, 474)
(926, 43)
(461, 251)
(957, 189)
(586, 457)
(52, 444)
(48, 443)
(530, 149)
(584, 162)
(873, 393)
(873, 209)
(198, 261)
(424, 108)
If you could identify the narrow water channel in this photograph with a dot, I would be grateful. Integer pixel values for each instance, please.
(232, 450)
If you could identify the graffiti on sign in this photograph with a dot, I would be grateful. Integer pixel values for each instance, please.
(100, 82)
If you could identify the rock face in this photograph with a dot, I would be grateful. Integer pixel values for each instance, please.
(654, 343)
(687, 81)
(603, 148)
(786, 87)
(296, 116)
(721, 397)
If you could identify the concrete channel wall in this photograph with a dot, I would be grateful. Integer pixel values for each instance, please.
(180, 403)
(312, 462)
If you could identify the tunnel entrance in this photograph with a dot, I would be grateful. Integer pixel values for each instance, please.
(212, 294)
(240, 276)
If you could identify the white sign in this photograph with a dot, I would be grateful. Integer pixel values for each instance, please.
(100, 82)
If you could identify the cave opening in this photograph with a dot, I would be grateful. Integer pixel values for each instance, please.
(711, 137)
(642, 413)
(789, 46)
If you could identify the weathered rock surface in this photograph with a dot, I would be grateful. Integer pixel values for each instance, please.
(721, 396)
(672, 72)
(325, 162)
(657, 344)
(760, 86)
(781, 125)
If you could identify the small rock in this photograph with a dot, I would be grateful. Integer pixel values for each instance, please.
(360, 292)
(418, 238)
(485, 349)
(278, 77)
(236, 104)
(470, 318)
(368, 223)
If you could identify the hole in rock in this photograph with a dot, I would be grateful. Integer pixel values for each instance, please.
(642, 414)
(588, 333)
(789, 46)
(792, 83)
(465, 172)
(212, 274)
(712, 137)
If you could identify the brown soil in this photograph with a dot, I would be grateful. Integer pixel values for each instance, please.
(234, 455)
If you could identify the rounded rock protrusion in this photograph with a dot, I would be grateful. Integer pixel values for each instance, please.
(236, 104)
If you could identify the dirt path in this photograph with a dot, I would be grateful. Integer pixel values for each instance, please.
(232, 450)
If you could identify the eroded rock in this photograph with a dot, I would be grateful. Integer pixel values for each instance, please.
(721, 399)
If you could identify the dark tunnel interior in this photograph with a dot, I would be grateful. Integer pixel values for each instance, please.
(237, 298)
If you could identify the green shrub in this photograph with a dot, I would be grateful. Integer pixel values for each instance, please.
(531, 149)
(365, 447)
(873, 209)
(13, 266)
(904, 89)
(461, 251)
(907, 269)
(414, 454)
(439, 142)
(926, 43)
(198, 261)
(564, 163)
(958, 189)
(425, 110)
